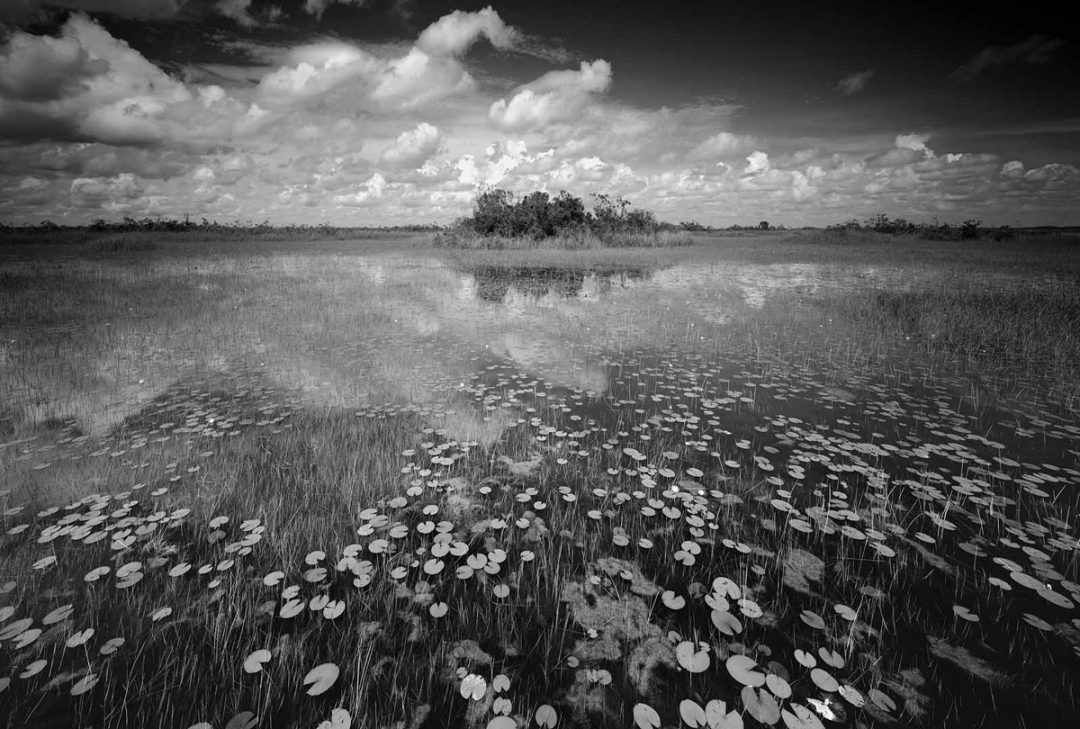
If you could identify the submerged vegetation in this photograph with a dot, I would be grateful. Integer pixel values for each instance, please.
(757, 483)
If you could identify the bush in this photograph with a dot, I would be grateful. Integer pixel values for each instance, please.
(969, 229)
(560, 222)
(1003, 232)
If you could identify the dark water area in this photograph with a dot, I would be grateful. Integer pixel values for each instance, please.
(495, 283)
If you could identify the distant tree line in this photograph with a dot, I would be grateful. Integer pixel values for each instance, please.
(693, 226)
(537, 215)
(186, 225)
(881, 223)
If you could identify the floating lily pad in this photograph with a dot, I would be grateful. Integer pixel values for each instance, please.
(321, 678)
(800, 717)
(823, 679)
(255, 660)
(693, 658)
(742, 670)
(725, 622)
(812, 619)
(761, 705)
(645, 717)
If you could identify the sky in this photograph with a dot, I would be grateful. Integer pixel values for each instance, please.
(396, 112)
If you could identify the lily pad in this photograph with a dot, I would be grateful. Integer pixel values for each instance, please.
(742, 670)
(321, 678)
(761, 705)
(823, 679)
(645, 717)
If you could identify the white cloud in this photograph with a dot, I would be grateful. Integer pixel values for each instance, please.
(86, 84)
(757, 163)
(1013, 169)
(99, 192)
(554, 97)
(332, 131)
(429, 71)
(40, 68)
(417, 79)
(319, 69)
(371, 191)
(915, 142)
(505, 163)
(413, 148)
(722, 145)
(453, 34)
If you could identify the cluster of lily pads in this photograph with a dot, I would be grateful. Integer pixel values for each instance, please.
(680, 548)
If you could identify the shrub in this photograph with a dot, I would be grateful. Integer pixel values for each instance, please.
(560, 222)
(968, 230)
(493, 212)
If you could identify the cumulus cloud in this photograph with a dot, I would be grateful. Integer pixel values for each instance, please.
(722, 145)
(907, 149)
(453, 34)
(1055, 178)
(98, 192)
(414, 147)
(429, 71)
(813, 188)
(1034, 49)
(554, 97)
(914, 142)
(105, 80)
(853, 83)
(418, 78)
(756, 163)
(372, 190)
(87, 85)
(43, 68)
(333, 131)
(317, 69)
(507, 163)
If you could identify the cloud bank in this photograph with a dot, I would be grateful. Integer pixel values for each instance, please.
(352, 134)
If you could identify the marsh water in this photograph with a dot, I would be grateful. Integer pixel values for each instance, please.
(912, 474)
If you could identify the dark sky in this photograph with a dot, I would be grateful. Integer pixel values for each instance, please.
(380, 111)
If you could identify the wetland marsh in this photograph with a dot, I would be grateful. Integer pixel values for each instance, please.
(765, 481)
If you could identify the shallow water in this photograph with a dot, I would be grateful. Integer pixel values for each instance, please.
(728, 377)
